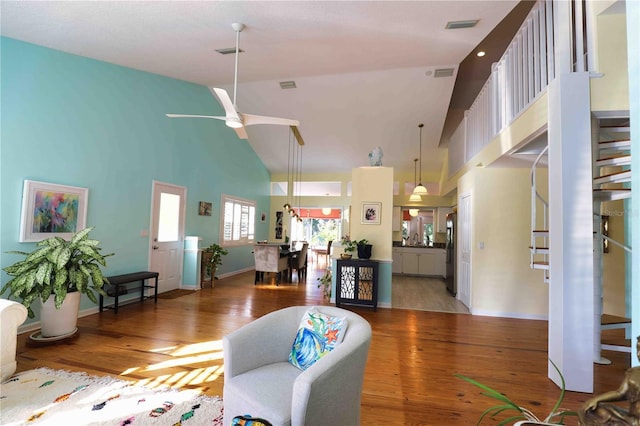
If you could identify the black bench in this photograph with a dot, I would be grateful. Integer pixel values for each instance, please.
(118, 281)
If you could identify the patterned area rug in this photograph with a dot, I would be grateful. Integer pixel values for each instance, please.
(58, 397)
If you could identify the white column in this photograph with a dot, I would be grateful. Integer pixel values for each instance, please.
(633, 57)
(571, 298)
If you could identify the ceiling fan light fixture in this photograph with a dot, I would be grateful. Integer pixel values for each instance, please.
(233, 122)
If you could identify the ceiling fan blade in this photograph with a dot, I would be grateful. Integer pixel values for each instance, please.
(194, 116)
(242, 133)
(251, 119)
(296, 133)
(225, 100)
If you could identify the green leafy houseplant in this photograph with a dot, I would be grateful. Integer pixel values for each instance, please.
(325, 284)
(216, 256)
(521, 413)
(349, 245)
(57, 267)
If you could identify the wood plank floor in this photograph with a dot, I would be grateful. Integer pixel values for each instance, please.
(409, 378)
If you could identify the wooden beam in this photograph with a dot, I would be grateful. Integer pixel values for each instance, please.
(296, 133)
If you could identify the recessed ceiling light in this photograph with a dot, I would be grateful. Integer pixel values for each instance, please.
(456, 25)
(481, 53)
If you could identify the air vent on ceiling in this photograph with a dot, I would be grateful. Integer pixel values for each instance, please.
(456, 25)
(288, 85)
(443, 72)
(228, 51)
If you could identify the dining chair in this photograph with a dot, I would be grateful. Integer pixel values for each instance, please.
(267, 259)
(324, 252)
(299, 262)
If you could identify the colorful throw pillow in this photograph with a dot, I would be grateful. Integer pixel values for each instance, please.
(317, 336)
(247, 420)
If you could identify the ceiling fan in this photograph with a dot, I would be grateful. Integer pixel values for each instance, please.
(236, 119)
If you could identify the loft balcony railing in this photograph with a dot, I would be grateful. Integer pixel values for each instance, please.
(534, 57)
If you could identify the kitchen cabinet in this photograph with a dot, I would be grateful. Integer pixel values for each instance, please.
(441, 218)
(419, 261)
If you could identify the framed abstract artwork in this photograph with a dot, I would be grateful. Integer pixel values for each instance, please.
(370, 213)
(50, 210)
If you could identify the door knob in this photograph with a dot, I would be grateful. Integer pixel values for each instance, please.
(156, 247)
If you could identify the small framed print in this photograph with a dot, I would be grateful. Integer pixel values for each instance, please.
(370, 213)
(204, 208)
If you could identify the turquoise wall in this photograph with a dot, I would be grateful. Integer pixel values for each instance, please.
(75, 121)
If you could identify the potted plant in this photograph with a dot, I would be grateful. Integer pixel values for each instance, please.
(364, 248)
(57, 273)
(348, 246)
(214, 259)
(325, 284)
(526, 416)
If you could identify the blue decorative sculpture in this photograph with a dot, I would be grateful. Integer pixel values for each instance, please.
(375, 157)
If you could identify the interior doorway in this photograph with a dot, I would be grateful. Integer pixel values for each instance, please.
(167, 234)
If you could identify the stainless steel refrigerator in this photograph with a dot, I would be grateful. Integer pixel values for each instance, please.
(451, 264)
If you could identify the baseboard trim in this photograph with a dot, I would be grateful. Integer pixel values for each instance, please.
(513, 315)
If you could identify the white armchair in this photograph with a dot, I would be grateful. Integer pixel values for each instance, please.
(12, 314)
(259, 380)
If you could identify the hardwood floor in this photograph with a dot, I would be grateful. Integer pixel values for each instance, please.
(409, 378)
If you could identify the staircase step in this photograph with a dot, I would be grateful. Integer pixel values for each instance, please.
(540, 265)
(610, 322)
(611, 194)
(618, 177)
(615, 129)
(616, 145)
(539, 250)
(623, 160)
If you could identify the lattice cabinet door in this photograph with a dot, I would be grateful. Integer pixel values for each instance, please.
(357, 282)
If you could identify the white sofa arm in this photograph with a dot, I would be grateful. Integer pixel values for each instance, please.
(12, 314)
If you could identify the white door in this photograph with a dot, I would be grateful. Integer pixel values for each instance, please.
(167, 234)
(464, 247)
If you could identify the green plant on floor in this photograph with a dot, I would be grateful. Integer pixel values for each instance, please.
(216, 257)
(58, 267)
(325, 284)
(522, 413)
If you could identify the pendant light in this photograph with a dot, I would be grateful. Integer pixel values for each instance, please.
(414, 212)
(415, 197)
(420, 189)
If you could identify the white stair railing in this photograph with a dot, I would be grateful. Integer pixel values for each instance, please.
(535, 249)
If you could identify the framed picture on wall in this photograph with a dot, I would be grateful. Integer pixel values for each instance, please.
(204, 208)
(51, 210)
(370, 213)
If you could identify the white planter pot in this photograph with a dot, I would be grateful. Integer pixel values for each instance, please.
(59, 322)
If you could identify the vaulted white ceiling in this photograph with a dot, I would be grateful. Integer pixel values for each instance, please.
(363, 69)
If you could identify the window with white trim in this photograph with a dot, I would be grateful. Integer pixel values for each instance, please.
(237, 221)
